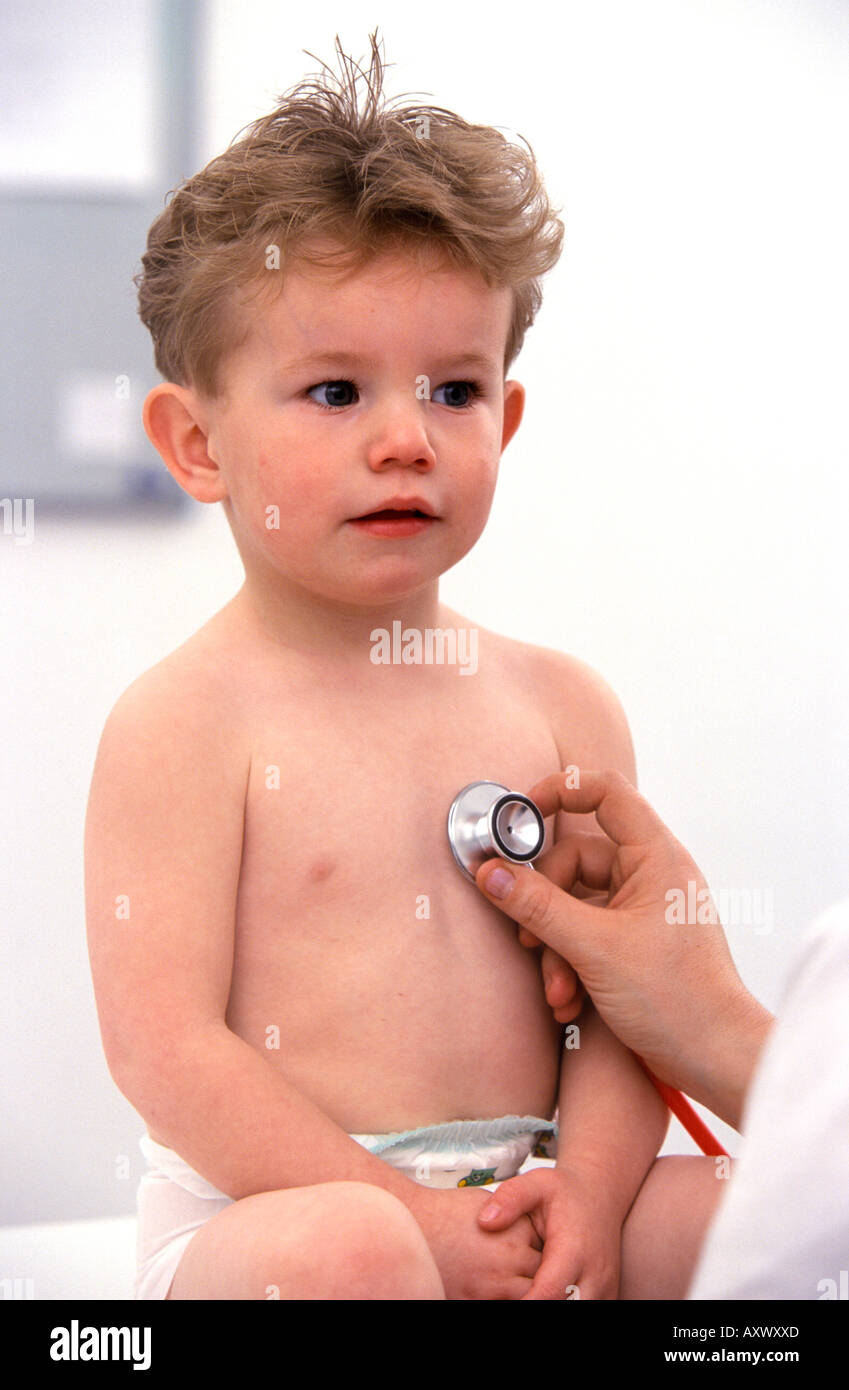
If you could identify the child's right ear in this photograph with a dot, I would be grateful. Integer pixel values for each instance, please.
(175, 424)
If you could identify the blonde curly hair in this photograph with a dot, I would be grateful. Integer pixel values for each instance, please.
(321, 172)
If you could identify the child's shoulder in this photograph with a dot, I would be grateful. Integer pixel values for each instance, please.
(172, 762)
(587, 718)
(182, 696)
(562, 675)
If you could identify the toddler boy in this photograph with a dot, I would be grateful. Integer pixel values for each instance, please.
(336, 1042)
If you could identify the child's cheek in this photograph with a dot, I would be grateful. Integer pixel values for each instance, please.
(302, 487)
(478, 483)
(282, 506)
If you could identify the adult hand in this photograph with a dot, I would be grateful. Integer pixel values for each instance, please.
(668, 989)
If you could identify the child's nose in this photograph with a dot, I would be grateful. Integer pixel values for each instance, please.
(399, 432)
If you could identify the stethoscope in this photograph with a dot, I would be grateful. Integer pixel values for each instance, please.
(488, 821)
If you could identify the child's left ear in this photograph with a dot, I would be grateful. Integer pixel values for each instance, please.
(514, 406)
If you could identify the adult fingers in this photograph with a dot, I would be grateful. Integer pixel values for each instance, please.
(579, 858)
(564, 993)
(578, 861)
(572, 927)
(621, 812)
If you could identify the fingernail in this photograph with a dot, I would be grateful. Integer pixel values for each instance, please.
(489, 1211)
(499, 883)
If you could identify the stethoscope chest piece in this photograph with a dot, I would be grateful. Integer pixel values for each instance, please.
(488, 821)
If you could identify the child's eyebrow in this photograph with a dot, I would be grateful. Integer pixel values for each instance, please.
(328, 359)
(473, 360)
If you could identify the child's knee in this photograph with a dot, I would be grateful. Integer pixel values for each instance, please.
(666, 1226)
(380, 1242)
(349, 1240)
(688, 1187)
(693, 1173)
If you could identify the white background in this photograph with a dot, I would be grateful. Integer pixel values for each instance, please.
(673, 507)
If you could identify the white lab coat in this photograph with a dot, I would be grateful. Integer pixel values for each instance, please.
(782, 1229)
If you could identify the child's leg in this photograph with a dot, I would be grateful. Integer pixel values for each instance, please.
(336, 1240)
(665, 1228)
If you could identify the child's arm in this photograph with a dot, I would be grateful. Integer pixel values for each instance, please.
(164, 832)
(163, 848)
(612, 1120)
(612, 1123)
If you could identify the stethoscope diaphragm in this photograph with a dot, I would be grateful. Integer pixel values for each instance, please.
(488, 821)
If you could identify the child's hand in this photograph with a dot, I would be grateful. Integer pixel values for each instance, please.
(581, 1232)
(475, 1263)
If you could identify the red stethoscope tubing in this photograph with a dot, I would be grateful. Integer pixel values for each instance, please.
(683, 1111)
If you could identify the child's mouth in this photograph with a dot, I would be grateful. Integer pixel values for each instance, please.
(394, 522)
(390, 514)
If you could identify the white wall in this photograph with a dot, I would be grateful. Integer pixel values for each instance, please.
(676, 495)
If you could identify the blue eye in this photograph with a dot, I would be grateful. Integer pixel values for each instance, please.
(472, 389)
(332, 387)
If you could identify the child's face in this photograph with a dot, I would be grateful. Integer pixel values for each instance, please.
(383, 411)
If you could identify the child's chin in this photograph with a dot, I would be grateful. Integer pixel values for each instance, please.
(392, 576)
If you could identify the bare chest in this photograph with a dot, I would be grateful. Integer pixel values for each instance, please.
(349, 795)
(359, 944)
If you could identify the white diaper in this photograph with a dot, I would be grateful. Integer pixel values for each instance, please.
(174, 1201)
(465, 1153)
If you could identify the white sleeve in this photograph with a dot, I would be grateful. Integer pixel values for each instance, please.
(782, 1229)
